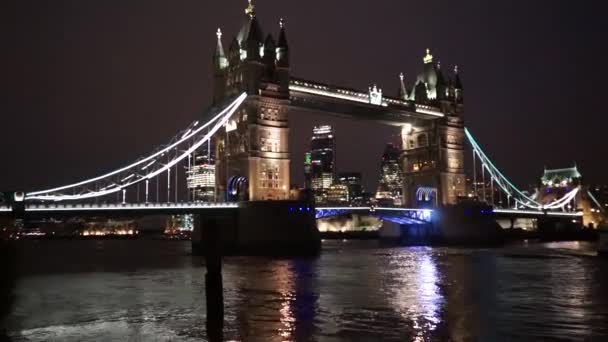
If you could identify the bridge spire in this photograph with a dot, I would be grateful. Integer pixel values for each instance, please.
(250, 10)
(457, 81)
(282, 47)
(428, 58)
(219, 57)
(403, 95)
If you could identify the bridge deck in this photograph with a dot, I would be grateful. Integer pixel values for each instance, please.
(177, 208)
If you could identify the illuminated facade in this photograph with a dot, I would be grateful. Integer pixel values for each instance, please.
(252, 153)
(433, 150)
(561, 178)
(354, 182)
(323, 161)
(390, 184)
(179, 224)
(201, 180)
(337, 194)
(308, 171)
(557, 183)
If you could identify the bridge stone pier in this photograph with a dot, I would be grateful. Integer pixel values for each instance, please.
(263, 228)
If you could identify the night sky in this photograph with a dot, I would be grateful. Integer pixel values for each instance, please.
(92, 85)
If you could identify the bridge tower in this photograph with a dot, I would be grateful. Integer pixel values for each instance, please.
(433, 150)
(252, 153)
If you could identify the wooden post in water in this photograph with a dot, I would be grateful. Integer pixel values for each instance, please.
(603, 243)
(213, 280)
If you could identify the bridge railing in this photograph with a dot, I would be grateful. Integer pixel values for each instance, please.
(405, 214)
(128, 206)
(516, 212)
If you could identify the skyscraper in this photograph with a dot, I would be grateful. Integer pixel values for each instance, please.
(390, 185)
(201, 179)
(323, 160)
(308, 171)
(353, 181)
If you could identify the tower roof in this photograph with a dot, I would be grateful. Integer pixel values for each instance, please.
(429, 76)
(556, 176)
(219, 56)
(428, 59)
(440, 78)
(457, 81)
(251, 30)
(403, 95)
(282, 35)
(219, 49)
(571, 172)
(250, 10)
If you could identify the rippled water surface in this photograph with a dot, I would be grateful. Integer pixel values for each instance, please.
(355, 291)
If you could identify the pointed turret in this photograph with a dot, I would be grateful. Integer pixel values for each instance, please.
(250, 37)
(458, 93)
(234, 52)
(282, 47)
(254, 40)
(428, 76)
(457, 81)
(421, 92)
(442, 86)
(220, 66)
(270, 51)
(250, 10)
(403, 95)
(440, 78)
(220, 61)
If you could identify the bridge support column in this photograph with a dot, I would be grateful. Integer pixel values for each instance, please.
(264, 228)
(603, 245)
(214, 289)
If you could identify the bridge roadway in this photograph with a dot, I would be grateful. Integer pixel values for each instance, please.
(399, 215)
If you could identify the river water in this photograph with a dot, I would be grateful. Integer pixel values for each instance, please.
(355, 291)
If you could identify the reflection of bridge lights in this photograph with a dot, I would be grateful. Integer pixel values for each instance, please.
(416, 295)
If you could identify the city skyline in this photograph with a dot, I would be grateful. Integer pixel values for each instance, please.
(98, 88)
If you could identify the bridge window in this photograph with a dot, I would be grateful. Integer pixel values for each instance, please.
(270, 178)
(269, 145)
(453, 163)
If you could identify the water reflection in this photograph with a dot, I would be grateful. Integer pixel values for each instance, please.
(7, 283)
(416, 295)
(276, 300)
(353, 292)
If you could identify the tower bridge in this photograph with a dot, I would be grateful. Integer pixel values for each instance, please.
(253, 156)
(248, 133)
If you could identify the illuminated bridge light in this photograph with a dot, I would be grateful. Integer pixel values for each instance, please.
(105, 207)
(537, 213)
(397, 215)
(219, 120)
